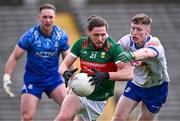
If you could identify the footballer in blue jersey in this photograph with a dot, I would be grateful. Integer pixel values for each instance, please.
(43, 43)
(43, 54)
(42, 58)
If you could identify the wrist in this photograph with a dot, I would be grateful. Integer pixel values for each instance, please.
(107, 75)
(64, 72)
(6, 77)
(133, 56)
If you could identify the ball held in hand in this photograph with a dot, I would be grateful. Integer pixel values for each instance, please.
(81, 85)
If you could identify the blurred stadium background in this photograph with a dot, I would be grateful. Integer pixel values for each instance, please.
(16, 16)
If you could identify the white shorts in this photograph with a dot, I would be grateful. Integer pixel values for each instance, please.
(91, 109)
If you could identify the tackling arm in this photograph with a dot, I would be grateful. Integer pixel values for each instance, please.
(124, 73)
(144, 53)
(140, 54)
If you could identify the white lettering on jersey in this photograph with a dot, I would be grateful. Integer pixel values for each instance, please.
(46, 54)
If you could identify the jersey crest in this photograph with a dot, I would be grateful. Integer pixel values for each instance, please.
(152, 44)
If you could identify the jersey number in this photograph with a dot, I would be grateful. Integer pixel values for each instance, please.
(93, 55)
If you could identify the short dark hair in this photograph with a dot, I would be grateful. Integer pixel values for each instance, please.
(47, 6)
(96, 21)
(141, 18)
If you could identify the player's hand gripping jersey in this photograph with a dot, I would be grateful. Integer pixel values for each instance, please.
(102, 59)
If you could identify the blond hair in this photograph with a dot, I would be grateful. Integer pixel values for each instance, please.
(47, 6)
(141, 18)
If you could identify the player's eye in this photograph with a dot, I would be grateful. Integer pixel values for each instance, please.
(97, 35)
(50, 17)
(46, 17)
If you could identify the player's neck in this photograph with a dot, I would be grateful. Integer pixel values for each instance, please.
(140, 44)
(46, 32)
(99, 48)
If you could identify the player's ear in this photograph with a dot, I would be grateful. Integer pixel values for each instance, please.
(148, 29)
(39, 16)
(88, 33)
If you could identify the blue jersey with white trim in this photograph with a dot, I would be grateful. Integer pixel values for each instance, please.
(149, 72)
(43, 52)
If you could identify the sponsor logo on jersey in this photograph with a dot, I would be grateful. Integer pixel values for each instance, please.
(84, 52)
(103, 55)
(153, 44)
(46, 54)
(86, 66)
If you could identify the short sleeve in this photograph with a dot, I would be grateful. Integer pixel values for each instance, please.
(25, 40)
(64, 39)
(76, 47)
(155, 44)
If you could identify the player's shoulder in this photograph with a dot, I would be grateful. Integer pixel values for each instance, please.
(58, 30)
(111, 41)
(32, 31)
(60, 33)
(81, 42)
(112, 45)
(154, 38)
(82, 39)
(127, 36)
(125, 39)
(153, 41)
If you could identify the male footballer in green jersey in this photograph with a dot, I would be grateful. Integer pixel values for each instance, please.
(98, 55)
